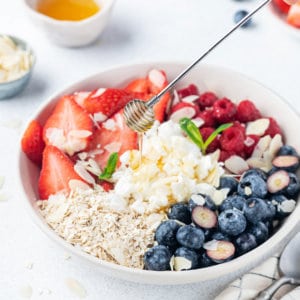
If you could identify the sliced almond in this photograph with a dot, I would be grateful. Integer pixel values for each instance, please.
(236, 164)
(99, 117)
(83, 173)
(81, 134)
(261, 146)
(275, 144)
(75, 287)
(75, 184)
(80, 97)
(113, 147)
(99, 92)
(257, 127)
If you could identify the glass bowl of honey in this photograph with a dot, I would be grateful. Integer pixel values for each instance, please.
(70, 23)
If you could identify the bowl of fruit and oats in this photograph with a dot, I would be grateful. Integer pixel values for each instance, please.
(211, 189)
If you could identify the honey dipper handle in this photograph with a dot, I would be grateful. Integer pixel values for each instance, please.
(157, 97)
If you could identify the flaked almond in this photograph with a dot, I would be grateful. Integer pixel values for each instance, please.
(83, 173)
(99, 117)
(157, 78)
(113, 147)
(262, 146)
(190, 99)
(275, 144)
(80, 134)
(110, 124)
(257, 127)
(75, 287)
(236, 164)
(99, 92)
(185, 112)
(80, 97)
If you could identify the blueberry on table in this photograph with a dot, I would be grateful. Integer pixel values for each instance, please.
(157, 258)
(204, 217)
(190, 236)
(287, 150)
(283, 206)
(180, 212)
(228, 182)
(256, 210)
(257, 172)
(289, 163)
(232, 222)
(239, 15)
(245, 242)
(260, 232)
(224, 251)
(185, 259)
(165, 233)
(252, 186)
(233, 201)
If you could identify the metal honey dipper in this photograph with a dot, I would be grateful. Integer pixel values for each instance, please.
(139, 115)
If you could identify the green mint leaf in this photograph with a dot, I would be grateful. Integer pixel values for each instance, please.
(192, 131)
(214, 134)
(110, 167)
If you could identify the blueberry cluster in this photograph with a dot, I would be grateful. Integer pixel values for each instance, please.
(199, 234)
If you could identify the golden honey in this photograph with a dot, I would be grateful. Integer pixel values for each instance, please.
(68, 10)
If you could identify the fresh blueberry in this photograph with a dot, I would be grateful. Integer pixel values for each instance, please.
(204, 217)
(224, 251)
(293, 188)
(234, 201)
(180, 212)
(245, 242)
(269, 224)
(228, 182)
(204, 260)
(209, 203)
(256, 172)
(260, 232)
(232, 222)
(190, 236)
(157, 258)
(208, 234)
(271, 211)
(165, 233)
(287, 150)
(256, 210)
(252, 186)
(185, 259)
(239, 15)
(283, 206)
(220, 236)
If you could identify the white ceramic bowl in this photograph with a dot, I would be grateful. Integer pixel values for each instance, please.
(280, 19)
(223, 82)
(72, 33)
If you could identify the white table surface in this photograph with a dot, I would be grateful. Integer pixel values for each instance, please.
(140, 30)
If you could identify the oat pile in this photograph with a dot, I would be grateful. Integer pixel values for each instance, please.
(85, 220)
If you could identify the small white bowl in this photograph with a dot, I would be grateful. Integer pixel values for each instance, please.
(207, 77)
(72, 33)
(280, 18)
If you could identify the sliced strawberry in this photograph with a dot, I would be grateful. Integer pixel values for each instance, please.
(112, 136)
(107, 101)
(282, 6)
(57, 171)
(139, 85)
(293, 16)
(32, 142)
(69, 127)
(146, 88)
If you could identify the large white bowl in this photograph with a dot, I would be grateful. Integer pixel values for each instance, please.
(223, 82)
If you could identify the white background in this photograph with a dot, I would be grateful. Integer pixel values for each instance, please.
(140, 30)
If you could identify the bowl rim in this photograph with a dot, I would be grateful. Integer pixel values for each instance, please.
(104, 9)
(146, 276)
(25, 46)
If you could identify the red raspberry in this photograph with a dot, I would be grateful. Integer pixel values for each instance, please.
(273, 128)
(188, 91)
(241, 127)
(247, 111)
(224, 110)
(215, 144)
(207, 99)
(225, 155)
(232, 139)
(250, 142)
(207, 117)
